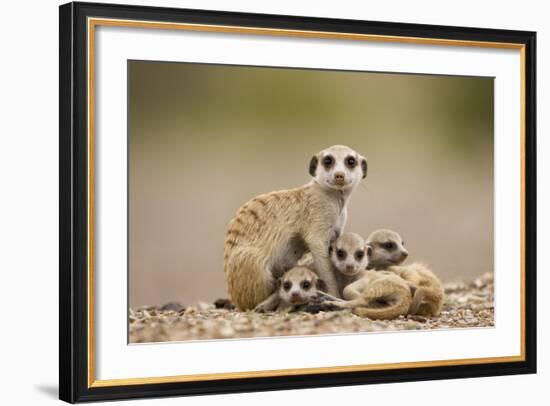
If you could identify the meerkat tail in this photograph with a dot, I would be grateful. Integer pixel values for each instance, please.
(249, 282)
(398, 308)
(417, 300)
(400, 299)
(427, 302)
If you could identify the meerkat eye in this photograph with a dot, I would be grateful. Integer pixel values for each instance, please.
(359, 255)
(330, 249)
(403, 243)
(328, 161)
(351, 162)
(287, 285)
(341, 254)
(390, 245)
(306, 285)
(369, 251)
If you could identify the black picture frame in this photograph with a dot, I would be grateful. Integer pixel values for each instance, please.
(73, 253)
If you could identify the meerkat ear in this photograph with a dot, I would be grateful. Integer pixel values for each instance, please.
(364, 167)
(369, 254)
(313, 165)
(369, 250)
(321, 285)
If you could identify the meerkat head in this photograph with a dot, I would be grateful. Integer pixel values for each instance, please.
(385, 248)
(348, 254)
(338, 168)
(300, 285)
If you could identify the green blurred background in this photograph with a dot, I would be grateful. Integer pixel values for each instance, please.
(203, 139)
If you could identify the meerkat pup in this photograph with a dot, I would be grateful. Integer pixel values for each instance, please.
(376, 295)
(386, 251)
(297, 287)
(271, 232)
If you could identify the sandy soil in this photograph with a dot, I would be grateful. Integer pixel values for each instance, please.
(469, 303)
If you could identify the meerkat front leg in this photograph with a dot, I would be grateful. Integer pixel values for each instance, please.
(270, 304)
(353, 296)
(341, 224)
(338, 229)
(322, 264)
(353, 291)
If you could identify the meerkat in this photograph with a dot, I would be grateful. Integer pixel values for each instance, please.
(376, 295)
(297, 287)
(271, 232)
(386, 251)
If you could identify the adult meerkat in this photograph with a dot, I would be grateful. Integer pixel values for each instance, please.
(376, 295)
(386, 251)
(271, 232)
(297, 287)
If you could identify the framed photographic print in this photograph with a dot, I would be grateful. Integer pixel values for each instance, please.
(257, 202)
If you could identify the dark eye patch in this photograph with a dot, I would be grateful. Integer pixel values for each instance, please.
(359, 255)
(328, 161)
(341, 254)
(351, 162)
(390, 245)
(306, 284)
(287, 285)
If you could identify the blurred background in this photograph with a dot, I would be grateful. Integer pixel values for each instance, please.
(203, 139)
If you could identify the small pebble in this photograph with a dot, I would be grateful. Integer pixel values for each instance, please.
(174, 306)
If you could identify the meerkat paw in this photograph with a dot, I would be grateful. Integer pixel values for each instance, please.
(263, 308)
(316, 307)
(333, 304)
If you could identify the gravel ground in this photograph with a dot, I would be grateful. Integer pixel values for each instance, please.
(468, 303)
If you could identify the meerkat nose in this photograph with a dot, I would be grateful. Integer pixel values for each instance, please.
(339, 176)
(405, 254)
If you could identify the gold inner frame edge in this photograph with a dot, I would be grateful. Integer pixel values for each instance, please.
(93, 22)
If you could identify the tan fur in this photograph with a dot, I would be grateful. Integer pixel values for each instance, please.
(429, 295)
(271, 232)
(377, 295)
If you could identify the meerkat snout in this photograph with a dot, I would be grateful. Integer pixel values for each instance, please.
(300, 285)
(297, 287)
(338, 168)
(339, 178)
(296, 298)
(296, 291)
(385, 248)
(348, 254)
